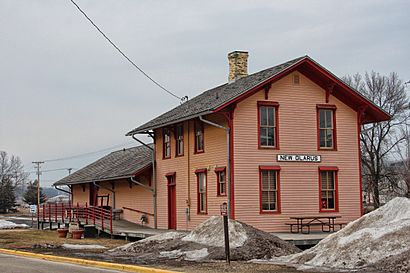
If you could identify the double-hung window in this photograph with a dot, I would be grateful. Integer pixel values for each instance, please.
(268, 124)
(199, 137)
(269, 189)
(202, 191)
(166, 149)
(328, 189)
(221, 181)
(326, 127)
(179, 137)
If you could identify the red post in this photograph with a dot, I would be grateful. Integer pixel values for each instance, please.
(102, 218)
(70, 208)
(94, 216)
(49, 212)
(111, 221)
(44, 212)
(55, 212)
(86, 213)
(78, 210)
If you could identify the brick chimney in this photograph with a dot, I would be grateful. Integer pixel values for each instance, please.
(238, 65)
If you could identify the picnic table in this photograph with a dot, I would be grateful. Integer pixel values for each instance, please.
(303, 223)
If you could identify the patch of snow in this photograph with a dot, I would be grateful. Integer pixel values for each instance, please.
(172, 235)
(10, 225)
(173, 254)
(82, 247)
(211, 233)
(195, 255)
(192, 255)
(372, 238)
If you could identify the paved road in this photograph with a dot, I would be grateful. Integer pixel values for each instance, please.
(17, 264)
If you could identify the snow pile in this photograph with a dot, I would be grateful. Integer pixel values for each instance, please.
(172, 235)
(82, 247)
(374, 238)
(192, 255)
(207, 242)
(211, 233)
(10, 225)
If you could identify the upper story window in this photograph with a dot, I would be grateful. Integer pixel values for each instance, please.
(269, 189)
(179, 137)
(221, 181)
(202, 191)
(328, 188)
(326, 127)
(268, 124)
(166, 149)
(199, 137)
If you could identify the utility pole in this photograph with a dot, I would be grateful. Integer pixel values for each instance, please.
(37, 163)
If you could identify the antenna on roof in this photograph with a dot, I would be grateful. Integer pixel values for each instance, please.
(184, 99)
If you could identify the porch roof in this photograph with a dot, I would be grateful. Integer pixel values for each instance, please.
(120, 164)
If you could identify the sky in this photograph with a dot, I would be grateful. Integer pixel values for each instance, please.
(64, 91)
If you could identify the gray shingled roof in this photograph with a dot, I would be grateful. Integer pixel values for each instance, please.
(119, 164)
(210, 100)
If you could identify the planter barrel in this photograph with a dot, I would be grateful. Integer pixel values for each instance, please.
(77, 234)
(62, 233)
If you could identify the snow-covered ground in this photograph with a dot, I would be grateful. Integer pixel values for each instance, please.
(82, 247)
(375, 237)
(4, 224)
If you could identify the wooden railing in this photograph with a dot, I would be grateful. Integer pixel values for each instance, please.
(98, 216)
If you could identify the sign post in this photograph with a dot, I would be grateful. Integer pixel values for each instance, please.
(33, 210)
(224, 213)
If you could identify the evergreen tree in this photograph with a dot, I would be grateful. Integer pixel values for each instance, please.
(30, 196)
(7, 196)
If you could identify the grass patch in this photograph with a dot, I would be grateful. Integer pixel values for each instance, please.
(17, 239)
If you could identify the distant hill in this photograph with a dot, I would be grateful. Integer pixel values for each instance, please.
(52, 192)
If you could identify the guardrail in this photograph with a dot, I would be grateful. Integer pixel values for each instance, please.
(62, 213)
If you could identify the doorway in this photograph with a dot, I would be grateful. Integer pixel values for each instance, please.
(172, 201)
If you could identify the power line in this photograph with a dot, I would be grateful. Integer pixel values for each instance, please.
(86, 154)
(125, 56)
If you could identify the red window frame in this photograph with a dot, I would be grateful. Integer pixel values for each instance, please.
(218, 171)
(275, 105)
(179, 139)
(335, 171)
(164, 144)
(278, 200)
(198, 173)
(199, 125)
(334, 130)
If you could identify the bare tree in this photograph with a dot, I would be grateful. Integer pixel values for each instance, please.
(12, 168)
(400, 184)
(11, 175)
(378, 140)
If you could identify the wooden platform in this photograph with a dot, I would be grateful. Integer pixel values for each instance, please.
(127, 229)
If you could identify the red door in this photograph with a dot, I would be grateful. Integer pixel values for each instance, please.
(172, 202)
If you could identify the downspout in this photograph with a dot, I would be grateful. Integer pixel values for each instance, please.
(154, 180)
(108, 189)
(228, 167)
(69, 192)
(142, 185)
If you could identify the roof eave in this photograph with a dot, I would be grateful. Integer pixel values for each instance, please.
(145, 129)
(138, 172)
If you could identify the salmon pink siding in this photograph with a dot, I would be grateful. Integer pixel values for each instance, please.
(299, 181)
(126, 196)
(214, 155)
(81, 194)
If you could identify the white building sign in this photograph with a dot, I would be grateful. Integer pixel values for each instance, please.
(299, 158)
(33, 208)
